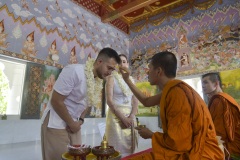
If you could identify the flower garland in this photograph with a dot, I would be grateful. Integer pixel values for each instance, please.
(126, 91)
(94, 85)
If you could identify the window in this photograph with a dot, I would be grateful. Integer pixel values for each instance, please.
(13, 73)
(196, 84)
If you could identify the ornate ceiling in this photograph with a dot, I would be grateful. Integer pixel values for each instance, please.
(125, 14)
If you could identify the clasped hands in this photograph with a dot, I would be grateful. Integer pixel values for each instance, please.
(126, 122)
(74, 126)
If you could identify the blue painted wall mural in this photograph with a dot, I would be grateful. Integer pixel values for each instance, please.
(54, 32)
(203, 41)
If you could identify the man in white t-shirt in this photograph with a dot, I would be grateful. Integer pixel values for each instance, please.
(70, 99)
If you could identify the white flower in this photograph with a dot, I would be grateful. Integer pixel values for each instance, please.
(126, 91)
(94, 85)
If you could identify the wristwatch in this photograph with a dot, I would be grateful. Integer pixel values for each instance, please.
(81, 119)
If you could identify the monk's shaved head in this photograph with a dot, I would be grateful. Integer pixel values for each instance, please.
(213, 77)
(167, 61)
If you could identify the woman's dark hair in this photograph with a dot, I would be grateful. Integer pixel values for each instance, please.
(123, 55)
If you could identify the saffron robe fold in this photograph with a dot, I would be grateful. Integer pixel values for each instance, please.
(189, 132)
(225, 113)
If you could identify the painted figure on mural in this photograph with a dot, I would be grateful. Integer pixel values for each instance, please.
(48, 85)
(149, 52)
(183, 39)
(59, 9)
(47, 91)
(165, 46)
(67, 30)
(24, 4)
(73, 56)
(48, 15)
(29, 45)
(75, 30)
(79, 22)
(35, 2)
(137, 56)
(182, 35)
(217, 58)
(184, 60)
(3, 36)
(53, 52)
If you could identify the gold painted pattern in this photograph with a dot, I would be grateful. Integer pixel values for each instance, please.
(32, 106)
(167, 13)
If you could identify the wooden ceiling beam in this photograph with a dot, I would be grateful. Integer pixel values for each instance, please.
(106, 2)
(132, 6)
(109, 2)
(148, 8)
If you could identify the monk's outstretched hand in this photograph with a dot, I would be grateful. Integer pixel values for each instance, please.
(125, 73)
(144, 132)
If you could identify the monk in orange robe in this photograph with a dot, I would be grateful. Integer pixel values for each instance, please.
(225, 113)
(188, 130)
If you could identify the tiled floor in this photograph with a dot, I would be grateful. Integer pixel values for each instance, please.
(32, 150)
(12, 131)
(21, 151)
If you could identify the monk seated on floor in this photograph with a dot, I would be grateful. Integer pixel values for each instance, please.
(188, 129)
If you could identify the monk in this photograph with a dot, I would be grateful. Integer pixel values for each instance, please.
(189, 133)
(225, 113)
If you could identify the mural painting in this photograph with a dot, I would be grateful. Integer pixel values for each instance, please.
(231, 83)
(73, 57)
(3, 36)
(55, 33)
(29, 45)
(49, 79)
(208, 41)
(148, 90)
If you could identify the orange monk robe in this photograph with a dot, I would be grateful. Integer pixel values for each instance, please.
(187, 125)
(225, 113)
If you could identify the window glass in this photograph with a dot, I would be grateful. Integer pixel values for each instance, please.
(195, 83)
(14, 72)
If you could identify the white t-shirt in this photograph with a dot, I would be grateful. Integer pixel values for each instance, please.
(72, 84)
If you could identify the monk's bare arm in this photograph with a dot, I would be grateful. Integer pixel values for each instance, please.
(146, 101)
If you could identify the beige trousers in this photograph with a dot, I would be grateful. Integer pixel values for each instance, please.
(54, 141)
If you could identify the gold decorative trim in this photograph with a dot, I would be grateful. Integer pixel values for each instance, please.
(137, 28)
(32, 106)
(205, 5)
(27, 58)
(168, 13)
(157, 21)
(180, 13)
